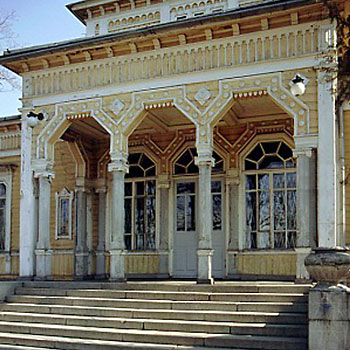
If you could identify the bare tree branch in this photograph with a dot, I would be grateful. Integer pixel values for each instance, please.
(7, 36)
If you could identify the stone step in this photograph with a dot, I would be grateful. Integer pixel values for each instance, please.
(27, 342)
(181, 286)
(161, 304)
(19, 347)
(161, 325)
(165, 295)
(155, 337)
(196, 315)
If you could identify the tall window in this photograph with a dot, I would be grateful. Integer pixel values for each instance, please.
(270, 186)
(2, 216)
(64, 212)
(140, 203)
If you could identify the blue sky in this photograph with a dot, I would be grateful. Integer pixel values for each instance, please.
(37, 22)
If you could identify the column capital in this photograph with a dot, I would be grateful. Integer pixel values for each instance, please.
(119, 162)
(101, 190)
(303, 152)
(204, 160)
(43, 168)
(163, 181)
(232, 177)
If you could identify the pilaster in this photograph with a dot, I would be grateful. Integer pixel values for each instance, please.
(205, 162)
(326, 161)
(119, 168)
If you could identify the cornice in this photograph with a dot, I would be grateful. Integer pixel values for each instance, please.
(182, 33)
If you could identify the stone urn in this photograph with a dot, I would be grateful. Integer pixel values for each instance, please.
(328, 266)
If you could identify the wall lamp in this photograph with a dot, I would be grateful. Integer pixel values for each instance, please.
(298, 85)
(34, 118)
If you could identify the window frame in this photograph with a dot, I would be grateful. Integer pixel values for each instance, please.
(6, 180)
(64, 194)
(134, 196)
(285, 170)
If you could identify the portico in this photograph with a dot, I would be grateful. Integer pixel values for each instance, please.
(181, 153)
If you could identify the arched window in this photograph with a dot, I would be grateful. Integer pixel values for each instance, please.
(2, 216)
(270, 186)
(140, 203)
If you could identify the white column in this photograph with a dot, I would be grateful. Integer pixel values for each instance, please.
(81, 251)
(42, 251)
(27, 236)
(326, 161)
(118, 167)
(101, 245)
(205, 251)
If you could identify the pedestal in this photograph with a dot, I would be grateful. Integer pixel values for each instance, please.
(204, 266)
(329, 301)
(117, 265)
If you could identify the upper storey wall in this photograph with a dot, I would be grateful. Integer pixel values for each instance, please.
(105, 17)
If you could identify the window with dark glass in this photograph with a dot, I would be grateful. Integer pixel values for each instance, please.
(2, 216)
(140, 203)
(270, 188)
(186, 206)
(186, 165)
(216, 193)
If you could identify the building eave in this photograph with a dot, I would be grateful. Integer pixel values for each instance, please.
(10, 56)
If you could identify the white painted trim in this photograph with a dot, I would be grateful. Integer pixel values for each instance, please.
(259, 68)
(306, 141)
(263, 252)
(61, 252)
(346, 106)
(10, 153)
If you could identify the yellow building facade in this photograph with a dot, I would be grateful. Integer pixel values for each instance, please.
(170, 144)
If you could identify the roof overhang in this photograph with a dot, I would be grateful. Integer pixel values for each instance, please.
(12, 56)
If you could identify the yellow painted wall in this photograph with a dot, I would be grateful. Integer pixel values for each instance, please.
(267, 264)
(64, 168)
(62, 265)
(141, 264)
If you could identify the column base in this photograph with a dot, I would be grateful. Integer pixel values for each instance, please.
(204, 272)
(43, 263)
(206, 281)
(81, 265)
(100, 263)
(117, 272)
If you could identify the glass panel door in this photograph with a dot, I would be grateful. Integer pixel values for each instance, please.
(185, 237)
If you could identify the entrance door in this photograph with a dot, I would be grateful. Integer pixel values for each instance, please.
(185, 235)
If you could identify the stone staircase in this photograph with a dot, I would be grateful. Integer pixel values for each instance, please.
(155, 315)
